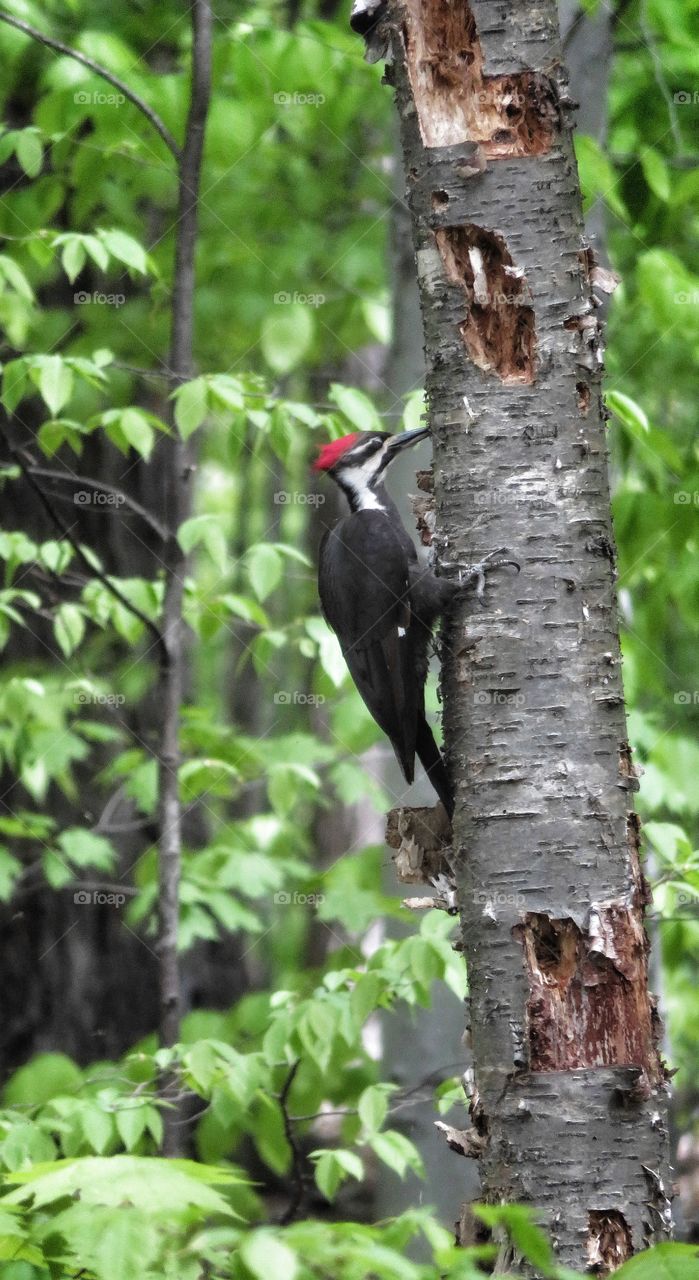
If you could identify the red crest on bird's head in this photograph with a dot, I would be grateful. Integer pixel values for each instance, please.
(332, 452)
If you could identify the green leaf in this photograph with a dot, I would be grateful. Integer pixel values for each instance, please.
(56, 555)
(131, 1124)
(628, 412)
(356, 406)
(55, 382)
(15, 376)
(246, 608)
(664, 1262)
(656, 173)
(98, 1128)
(86, 849)
(97, 251)
(397, 1151)
(29, 151)
(518, 1221)
(191, 406)
(334, 1167)
(69, 627)
(265, 1255)
(125, 249)
(264, 568)
(156, 1186)
(329, 651)
(289, 783)
(205, 530)
(415, 411)
(372, 1108)
(73, 258)
(16, 278)
(598, 176)
(207, 776)
(137, 431)
(287, 337)
(61, 431)
(10, 869)
(113, 1245)
(46, 1076)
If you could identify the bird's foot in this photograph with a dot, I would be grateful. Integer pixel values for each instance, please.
(476, 573)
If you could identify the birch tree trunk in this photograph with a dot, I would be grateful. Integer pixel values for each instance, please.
(570, 1091)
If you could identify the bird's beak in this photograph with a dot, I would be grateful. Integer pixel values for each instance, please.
(404, 441)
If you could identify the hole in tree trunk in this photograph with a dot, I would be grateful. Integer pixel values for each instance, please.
(588, 1004)
(583, 393)
(511, 115)
(608, 1241)
(498, 331)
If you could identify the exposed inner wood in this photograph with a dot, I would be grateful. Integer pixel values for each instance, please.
(499, 329)
(588, 1004)
(609, 1241)
(511, 115)
(583, 394)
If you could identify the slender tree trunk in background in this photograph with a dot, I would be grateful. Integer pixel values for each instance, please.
(60, 996)
(587, 49)
(176, 473)
(570, 1095)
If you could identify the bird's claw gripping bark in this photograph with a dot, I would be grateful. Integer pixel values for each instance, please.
(470, 573)
(476, 572)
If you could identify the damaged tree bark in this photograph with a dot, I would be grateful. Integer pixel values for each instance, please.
(569, 1100)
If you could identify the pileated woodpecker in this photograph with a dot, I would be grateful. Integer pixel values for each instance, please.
(381, 603)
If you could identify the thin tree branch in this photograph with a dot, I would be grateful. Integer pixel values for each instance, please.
(659, 75)
(78, 481)
(133, 97)
(67, 533)
(297, 1157)
(176, 472)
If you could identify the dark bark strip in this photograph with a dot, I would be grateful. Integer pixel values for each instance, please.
(570, 1093)
(176, 479)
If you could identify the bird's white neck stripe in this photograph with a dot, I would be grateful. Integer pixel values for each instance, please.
(357, 484)
(363, 498)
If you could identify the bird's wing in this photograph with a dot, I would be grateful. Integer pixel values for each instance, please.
(364, 586)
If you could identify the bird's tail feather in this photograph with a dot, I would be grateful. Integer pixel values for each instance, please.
(433, 763)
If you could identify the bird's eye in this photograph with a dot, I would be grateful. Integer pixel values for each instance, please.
(366, 449)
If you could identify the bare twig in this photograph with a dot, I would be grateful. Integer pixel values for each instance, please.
(67, 477)
(59, 47)
(297, 1157)
(176, 476)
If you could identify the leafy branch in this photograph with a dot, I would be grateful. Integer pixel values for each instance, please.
(59, 47)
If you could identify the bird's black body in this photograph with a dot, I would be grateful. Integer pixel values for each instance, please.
(382, 605)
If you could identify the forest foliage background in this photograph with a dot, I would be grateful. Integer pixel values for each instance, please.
(287, 1116)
